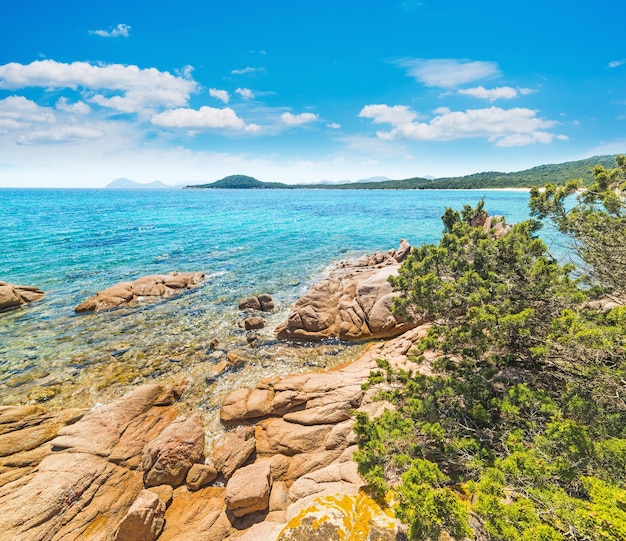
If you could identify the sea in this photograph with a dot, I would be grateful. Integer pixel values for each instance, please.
(72, 243)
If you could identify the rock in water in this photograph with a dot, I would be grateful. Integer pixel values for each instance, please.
(12, 296)
(353, 303)
(147, 287)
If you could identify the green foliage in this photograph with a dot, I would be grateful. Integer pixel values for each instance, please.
(596, 223)
(518, 433)
(507, 289)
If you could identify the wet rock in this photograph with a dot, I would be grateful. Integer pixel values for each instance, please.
(253, 323)
(354, 302)
(267, 303)
(250, 303)
(153, 287)
(263, 303)
(248, 490)
(13, 296)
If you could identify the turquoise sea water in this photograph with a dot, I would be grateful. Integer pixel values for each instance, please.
(73, 243)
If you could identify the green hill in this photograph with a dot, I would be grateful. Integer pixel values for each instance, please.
(240, 182)
(537, 176)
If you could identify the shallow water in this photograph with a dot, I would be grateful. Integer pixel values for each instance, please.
(73, 243)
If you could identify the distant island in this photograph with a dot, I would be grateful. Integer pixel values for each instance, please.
(127, 184)
(536, 176)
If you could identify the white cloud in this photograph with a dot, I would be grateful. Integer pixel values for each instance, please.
(617, 63)
(448, 72)
(120, 30)
(504, 127)
(18, 112)
(79, 107)
(203, 118)
(384, 114)
(297, 120)
(333, 125)
(244, 71)
(219, 94)
(60, 135)
(139, 88)
(245, 93)
(492, 94)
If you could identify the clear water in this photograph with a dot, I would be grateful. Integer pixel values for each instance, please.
(73, 243)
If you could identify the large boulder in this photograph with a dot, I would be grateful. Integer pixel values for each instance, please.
(167, 459)
(144, 520)
(354, 302)
(233, 449)
(13, 296)
(153, 287)
(73, 474)
(248, 490)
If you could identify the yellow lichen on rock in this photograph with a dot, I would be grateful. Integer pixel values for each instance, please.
(342, 518)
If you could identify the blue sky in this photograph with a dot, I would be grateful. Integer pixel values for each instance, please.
(304, 91)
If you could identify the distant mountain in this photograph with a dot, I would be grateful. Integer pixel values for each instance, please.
(372, 179)
(239, 182)
(127, 184)
(361, 181)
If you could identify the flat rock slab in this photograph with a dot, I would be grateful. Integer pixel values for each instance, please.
(14, 296)
(151, 288)
(353, 302)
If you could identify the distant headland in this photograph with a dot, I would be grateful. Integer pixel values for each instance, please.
(127, 184)
(536, 176)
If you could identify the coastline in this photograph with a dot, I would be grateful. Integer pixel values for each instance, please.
(289, 436)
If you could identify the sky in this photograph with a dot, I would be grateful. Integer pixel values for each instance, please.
(304, 91)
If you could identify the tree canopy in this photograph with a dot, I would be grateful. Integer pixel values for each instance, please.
(517, 429)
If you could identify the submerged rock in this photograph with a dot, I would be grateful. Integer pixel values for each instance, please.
(145, 288)
(353, 302)
(263, 302)
(13, 296)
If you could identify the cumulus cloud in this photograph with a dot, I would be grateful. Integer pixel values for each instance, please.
(617, 63)
(333, 125)
(504, 127)
(138, 89)
(297, 120)
(203, 118)
(493, 94)
(220, 94)
(60, 135)
(18, 112)
(79, 107)
(120, 30)
(448, 72)
(245, 93)
(385, 114)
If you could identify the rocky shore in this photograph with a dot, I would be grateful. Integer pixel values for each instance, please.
(352, 303)
(141, 468)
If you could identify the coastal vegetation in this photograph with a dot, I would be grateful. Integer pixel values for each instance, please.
(512, 425)
(558, 174)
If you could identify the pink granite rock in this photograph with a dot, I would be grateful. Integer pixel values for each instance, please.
(145, 288)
